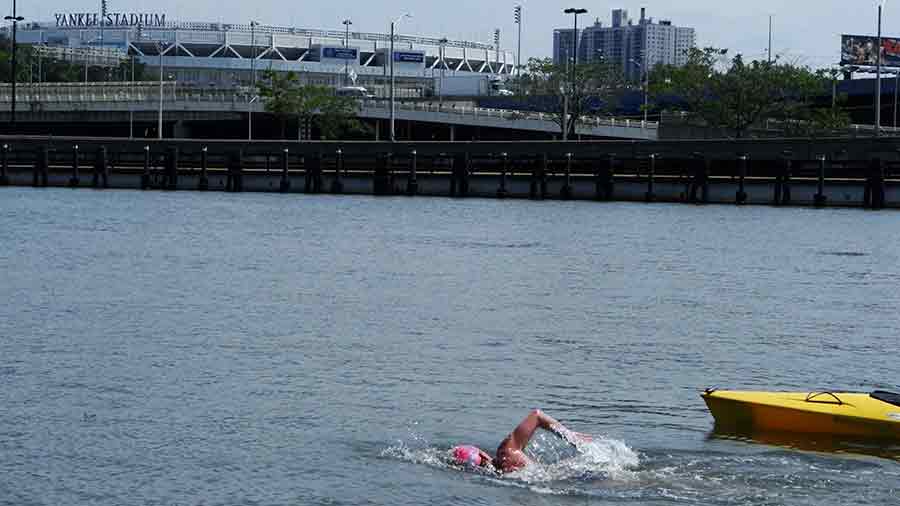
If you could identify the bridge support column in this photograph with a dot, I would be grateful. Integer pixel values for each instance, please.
(101, 169)
(145, 176)
(650, 196)
(741, 196)
(566, 192)
(875, 192)
(412, 184)
(820, 200)
(783, 180)
(171, 173)
(4, 165)
(337, 184)
(41, 165)
(203, 183)
(75, 180)
(502, 192)
(235, 181)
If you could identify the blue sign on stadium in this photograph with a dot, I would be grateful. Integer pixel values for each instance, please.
(408, 57)
(340, 53)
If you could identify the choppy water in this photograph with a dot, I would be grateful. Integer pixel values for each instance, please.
(186, 348)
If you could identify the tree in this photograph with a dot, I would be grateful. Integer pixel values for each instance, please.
(589, 88)
(736, 95)
(285, 97)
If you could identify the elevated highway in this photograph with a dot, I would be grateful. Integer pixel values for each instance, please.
(123, 102)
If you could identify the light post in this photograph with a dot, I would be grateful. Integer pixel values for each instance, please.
(574, 12)
(159, 49)
(251, 96)
(879, 52)
(393, 113)
(15, 22)
(644, 85)
(347, 23)
(443, 43)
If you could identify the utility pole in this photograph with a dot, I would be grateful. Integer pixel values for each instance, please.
(575, 13)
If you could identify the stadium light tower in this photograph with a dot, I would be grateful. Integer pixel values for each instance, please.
(393, 27)
(518, 16)
(15, 22)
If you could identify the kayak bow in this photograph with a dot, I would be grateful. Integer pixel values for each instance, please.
(875, 415)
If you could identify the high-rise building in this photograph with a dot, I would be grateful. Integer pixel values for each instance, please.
(564, 44)
(636, 46)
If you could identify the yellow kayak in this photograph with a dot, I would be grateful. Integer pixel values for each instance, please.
(875, 415)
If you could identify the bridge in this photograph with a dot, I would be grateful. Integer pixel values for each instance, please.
(123, 101)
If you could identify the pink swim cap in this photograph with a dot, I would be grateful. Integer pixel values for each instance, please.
(467, 455)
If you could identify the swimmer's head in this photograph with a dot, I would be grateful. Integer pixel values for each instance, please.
(467, 456)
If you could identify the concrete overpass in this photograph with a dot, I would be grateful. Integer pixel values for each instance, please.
(124, 102)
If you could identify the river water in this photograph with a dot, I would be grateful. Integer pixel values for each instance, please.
(204, 348)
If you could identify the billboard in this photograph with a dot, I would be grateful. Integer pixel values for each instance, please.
(340, 53)
(409, 57)
(860, 50)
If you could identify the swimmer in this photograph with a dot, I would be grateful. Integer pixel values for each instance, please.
(511, 453)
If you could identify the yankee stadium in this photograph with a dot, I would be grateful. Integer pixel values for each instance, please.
(222, 54)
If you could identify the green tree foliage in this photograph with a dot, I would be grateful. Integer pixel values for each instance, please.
(285, 97)
(32, 67)
(576, 89)
(736, 95)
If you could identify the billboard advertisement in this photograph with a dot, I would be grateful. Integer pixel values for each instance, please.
(340, 53)
(409, 57)
(860, 50)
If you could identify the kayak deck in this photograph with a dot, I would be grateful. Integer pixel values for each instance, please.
(836, 413)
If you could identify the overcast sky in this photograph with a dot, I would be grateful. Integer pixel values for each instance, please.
(807, 31)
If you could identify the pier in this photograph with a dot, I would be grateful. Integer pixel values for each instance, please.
(781, 172)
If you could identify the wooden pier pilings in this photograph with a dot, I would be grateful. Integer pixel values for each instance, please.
(813, 172)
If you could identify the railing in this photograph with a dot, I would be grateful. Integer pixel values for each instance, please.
(148, 91)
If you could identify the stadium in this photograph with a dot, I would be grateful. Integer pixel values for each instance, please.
(228, 55)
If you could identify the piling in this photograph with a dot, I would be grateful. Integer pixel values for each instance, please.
(650, 196)
(874, 195)
(604, 183)
(566, 192)
(381, 179)
(203, 183)
(820, 199)
(235, 181)
(337, 184)
(504, 169)
(313, 180)
(783, 180)
(41, 166)
(412, 184)
(145, 175)
(101, 169)
(171, 173)
(284, 186)
(76, 176)
(459, 180)
(4, 165)
(740, 197)
(699, 183)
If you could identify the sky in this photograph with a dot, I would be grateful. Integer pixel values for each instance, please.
(804, 31)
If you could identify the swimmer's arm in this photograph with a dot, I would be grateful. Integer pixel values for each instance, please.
(570, 436)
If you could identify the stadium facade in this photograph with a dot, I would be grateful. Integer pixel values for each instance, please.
(221, 54)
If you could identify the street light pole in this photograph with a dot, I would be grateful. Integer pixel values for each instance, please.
(15, 21)
(878, 79)
(393, 93)
(443, 42)
(347, 23)
(575, 13)
(252, 93)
